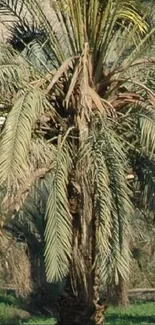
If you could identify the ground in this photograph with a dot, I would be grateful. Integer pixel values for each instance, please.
(11, 313)
(135, 314)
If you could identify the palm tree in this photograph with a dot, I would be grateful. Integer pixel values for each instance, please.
(80, 115)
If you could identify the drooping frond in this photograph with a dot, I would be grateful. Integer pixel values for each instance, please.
(106, 169)
(16, 136)
(120, 214)
(146, 117)
(58, 232)
(137, 124)
(101, 184)
(30, 218)
(13, 202)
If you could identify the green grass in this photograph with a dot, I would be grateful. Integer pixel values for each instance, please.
(40, 321)
(136, 314)
(12, 313)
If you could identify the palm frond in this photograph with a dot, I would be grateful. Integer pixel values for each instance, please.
(119, 20)
(106, 166)
(146, 117)
(14, 71)
(16, 136)
(58, 232)
(30, 218)
(31, 41)
(14, 7)
(74, 24)
(138, 126)
(121, 209)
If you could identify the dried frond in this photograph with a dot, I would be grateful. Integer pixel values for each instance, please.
(15, 265)
(13, 203)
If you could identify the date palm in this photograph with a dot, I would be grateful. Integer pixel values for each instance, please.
(79, 115)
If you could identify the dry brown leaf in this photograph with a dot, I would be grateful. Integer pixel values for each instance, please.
(59, 73)
(74, 80)
(14, 202)
(96, 99)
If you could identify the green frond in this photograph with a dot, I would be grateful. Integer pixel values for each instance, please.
(36, 55)
(14, 7)
(142, 45)
(58, 232)
(120, 20)
(137, 127)
(16, 136)
(75, 23)
(12, 76)
(107, 169)
(103, 201)
(14, 71)
(146, 119)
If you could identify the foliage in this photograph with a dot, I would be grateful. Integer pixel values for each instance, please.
(12, 312)
(11, 315)
(143, 263)
(140, 313)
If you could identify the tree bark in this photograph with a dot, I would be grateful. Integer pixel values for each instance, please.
(79, 304)
(72, 311)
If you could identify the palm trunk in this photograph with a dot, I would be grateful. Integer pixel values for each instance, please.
(72, 311)
(83, 308)
(99, 309)
(80, 303)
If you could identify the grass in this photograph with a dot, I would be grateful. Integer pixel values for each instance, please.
(135, 314)
(40, 321)
(12, 313)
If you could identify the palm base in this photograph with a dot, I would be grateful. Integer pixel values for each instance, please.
(76, 312)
